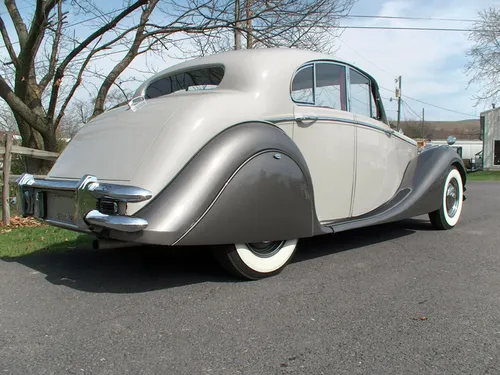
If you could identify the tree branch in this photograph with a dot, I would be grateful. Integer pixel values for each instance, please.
(21, 109)
(55, 49)
(8, 44)
(98, 33)
(126, 60)
(73, 89)
(17, 20)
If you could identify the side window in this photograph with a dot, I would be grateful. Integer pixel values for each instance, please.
(303, 85)
(361, 97)
(330, 86)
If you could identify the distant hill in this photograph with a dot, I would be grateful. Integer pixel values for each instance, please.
(464, 129)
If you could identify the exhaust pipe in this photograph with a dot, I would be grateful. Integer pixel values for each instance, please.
(112, 244)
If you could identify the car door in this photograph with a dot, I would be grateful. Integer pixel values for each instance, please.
(378, 174)
(325, 133)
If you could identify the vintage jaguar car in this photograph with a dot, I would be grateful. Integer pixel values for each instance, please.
(250, 151)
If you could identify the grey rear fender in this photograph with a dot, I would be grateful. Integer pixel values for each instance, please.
(250, 183)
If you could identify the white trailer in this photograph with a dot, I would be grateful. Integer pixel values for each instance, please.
(469, 150)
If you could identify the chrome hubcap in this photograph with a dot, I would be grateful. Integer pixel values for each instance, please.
(452, 198)
(265, 249)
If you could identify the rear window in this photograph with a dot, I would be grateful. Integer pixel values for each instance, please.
(190, 80)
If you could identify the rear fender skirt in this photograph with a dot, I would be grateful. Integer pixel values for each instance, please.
(249, 183)
(420, 191)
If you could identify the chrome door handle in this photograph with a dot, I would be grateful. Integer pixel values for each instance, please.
(306, 118)
(389, 131)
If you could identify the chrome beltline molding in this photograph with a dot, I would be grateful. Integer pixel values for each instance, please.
(347, 121)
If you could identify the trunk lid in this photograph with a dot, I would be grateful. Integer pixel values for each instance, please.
(113, 145)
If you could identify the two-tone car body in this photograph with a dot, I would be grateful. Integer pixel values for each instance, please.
(251, 150)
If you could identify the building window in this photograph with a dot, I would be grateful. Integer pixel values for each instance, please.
(481, 127)
(496, 157)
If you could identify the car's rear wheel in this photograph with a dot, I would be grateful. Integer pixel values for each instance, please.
(256, 260)
(451, 203)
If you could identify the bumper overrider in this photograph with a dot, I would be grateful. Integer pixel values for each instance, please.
(86, 205)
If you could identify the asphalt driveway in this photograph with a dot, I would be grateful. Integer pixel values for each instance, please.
(394, 299)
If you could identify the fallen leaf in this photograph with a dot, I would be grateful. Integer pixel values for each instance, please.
(421, 318)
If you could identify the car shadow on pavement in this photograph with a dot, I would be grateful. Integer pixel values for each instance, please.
(142, 269)
(319, 246)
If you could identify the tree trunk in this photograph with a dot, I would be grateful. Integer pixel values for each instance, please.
(249, 14)
(237, 24)
(33, 139)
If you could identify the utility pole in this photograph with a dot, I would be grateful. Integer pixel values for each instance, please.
(249, 14)
(237, 25)
(398, 96)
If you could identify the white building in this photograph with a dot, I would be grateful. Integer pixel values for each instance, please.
(490, 130)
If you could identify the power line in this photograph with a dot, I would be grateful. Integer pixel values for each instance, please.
(432, 105)
(360, 55)
(407, 28)
(96, 17)
(79, 22)
(19, 9)
(439, 107)
(411, 109)
(405, 96)
(410, 18)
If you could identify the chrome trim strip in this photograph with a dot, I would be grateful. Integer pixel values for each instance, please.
(348, 88)
(361, 123)
(314, 83)
(120, 223)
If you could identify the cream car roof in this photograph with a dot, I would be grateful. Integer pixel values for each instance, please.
(246, 69)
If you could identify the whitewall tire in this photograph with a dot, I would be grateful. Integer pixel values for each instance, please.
(256, 260)
(451, 202)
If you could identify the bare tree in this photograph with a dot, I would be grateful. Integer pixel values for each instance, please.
(39, 95)
(484, 55)
(7, 120)
(417, 128)
(45, 64)
(310, 24)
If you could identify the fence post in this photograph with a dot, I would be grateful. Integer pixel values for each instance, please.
(6, 173)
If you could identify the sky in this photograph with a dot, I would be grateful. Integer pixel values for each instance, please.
(431, 63)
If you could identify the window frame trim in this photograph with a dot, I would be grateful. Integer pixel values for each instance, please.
(302, 67)
(374, 88)
(313, 64)
(378, 116)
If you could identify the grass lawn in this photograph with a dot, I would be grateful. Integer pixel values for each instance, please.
(484, 176)
(15, 242)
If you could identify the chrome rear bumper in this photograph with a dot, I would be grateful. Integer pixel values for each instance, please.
(76, 205)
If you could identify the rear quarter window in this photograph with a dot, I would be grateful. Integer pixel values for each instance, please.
(190, 80)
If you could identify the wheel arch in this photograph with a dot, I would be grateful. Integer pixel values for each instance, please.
(462, 170)
(419, 193)
(182, 213)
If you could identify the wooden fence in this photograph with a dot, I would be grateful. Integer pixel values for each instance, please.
(6, 155)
